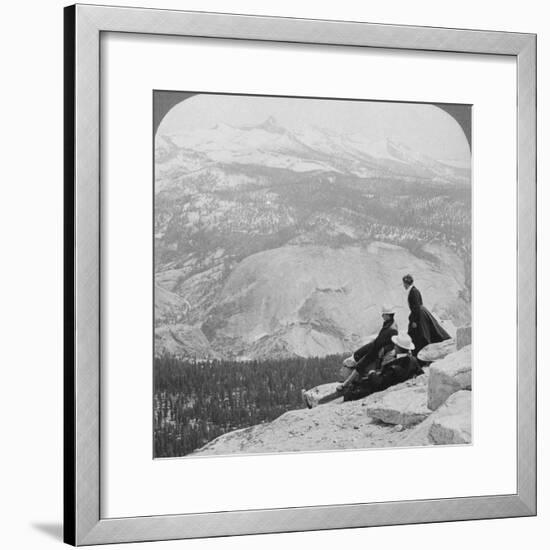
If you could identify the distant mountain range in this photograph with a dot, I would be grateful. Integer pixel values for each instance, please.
(312, 149)
(270, 242)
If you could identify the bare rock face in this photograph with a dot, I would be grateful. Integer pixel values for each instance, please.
(449, 375)
(453, 422)
(435, 352)
(168, 306)
(310, 300)
(463, 336)
(405, 407)
(183, 341)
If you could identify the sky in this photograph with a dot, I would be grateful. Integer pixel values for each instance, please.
(422, 127)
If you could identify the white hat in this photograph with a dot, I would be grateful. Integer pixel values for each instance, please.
(386, 309)
(403, 340)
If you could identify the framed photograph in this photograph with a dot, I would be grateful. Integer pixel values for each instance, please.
(300, 274)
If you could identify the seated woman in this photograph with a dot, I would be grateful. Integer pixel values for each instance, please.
(423, 326)
(394, 369)
(369, 357)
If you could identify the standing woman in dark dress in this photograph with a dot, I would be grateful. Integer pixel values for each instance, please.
(423, 326)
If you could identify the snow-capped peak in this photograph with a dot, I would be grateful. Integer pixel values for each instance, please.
(269, 143)
(270, 124)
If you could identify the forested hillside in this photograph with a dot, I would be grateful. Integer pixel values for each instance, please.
(195, 402)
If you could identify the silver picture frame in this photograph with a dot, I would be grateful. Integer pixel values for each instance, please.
(83, 524)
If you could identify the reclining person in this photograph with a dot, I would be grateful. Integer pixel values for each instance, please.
(402, 366)
(369, 357)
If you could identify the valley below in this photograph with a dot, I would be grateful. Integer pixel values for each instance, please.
(277, 259)
(274, 251)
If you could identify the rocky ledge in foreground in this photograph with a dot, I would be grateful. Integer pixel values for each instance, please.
(336, 425)
(397, 417)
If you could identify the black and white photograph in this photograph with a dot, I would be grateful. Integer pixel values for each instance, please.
(312, 266)
(274, 275)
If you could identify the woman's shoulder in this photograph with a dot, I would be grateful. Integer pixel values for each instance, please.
(415, 292)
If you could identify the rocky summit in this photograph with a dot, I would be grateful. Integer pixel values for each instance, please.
(272, 243)
(396, 417)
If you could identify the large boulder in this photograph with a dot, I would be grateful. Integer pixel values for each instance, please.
(406, 407)
(463, 337)
(449, 375)
(453, 423)
(435, 352)
(450, 424)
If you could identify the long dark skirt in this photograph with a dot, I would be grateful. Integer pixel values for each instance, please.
(379, 381)
(427, 331)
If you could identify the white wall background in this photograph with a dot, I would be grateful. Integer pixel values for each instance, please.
(31, 274)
